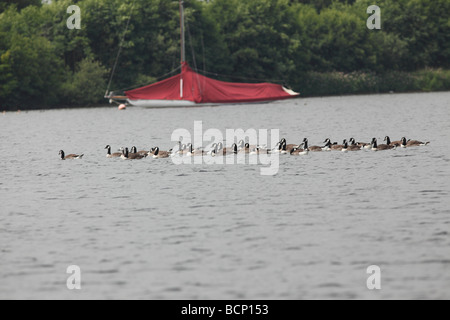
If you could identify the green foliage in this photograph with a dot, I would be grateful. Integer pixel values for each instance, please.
(86, 86)
(32, 72)
(261, 36)
(20, 4)
(318, 47)
(338, 83)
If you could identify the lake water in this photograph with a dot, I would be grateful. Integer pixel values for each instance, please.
(152, 230)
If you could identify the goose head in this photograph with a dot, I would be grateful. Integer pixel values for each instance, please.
(374, 143)
(404, 141)
(305, 143)
(327, 143)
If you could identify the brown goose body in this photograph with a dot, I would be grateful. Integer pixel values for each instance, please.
(392, 143)
(300, 151)
(362, 145)
(315, 149)
(311, 148)
(353, 145)
(354, 148)
(333, 146)
(142, 153)
(112, 155)
(247, 149)
(158, 154)
(229, 151)
(69, 156)
(126, 155)
(381, 147)
(288, 147)
(416, 143)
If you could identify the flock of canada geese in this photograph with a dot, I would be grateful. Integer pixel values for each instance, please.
(282, 147)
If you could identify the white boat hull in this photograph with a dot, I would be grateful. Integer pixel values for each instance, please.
(185, 104)
(166, 103)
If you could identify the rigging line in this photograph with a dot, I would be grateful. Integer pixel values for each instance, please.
(120, 50)
(238, 77)
(193, 57)
(158, 78)
(204, 57)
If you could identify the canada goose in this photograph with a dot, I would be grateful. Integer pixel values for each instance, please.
(353, 145)
(392, 143)
(246, 149)
(333, 146)
(183, 150)
(360, 144)
(345, 146)
(232, 150)
(299, 151)
(194, 152)
(277, 148)
(284, 149)
(313, 148)
(126, 155)
(219, 149)
(134, 150)
(213, 149)
(180, 150)
(289, 147)
(327, 147)
(242, 145)
(381, 147)
(70, 156)
(112, 155)
(157, 154)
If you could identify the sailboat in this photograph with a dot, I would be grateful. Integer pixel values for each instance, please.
(190, 89)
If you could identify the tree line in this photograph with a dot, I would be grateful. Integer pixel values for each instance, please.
(317, 47)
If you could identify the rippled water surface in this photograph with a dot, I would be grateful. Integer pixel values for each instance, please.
(153, 230)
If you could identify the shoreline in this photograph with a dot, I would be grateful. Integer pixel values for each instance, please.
(98, 106)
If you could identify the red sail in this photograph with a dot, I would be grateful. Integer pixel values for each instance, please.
(200, 89)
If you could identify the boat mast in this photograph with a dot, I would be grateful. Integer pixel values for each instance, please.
(183, 47)
(183, 37)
